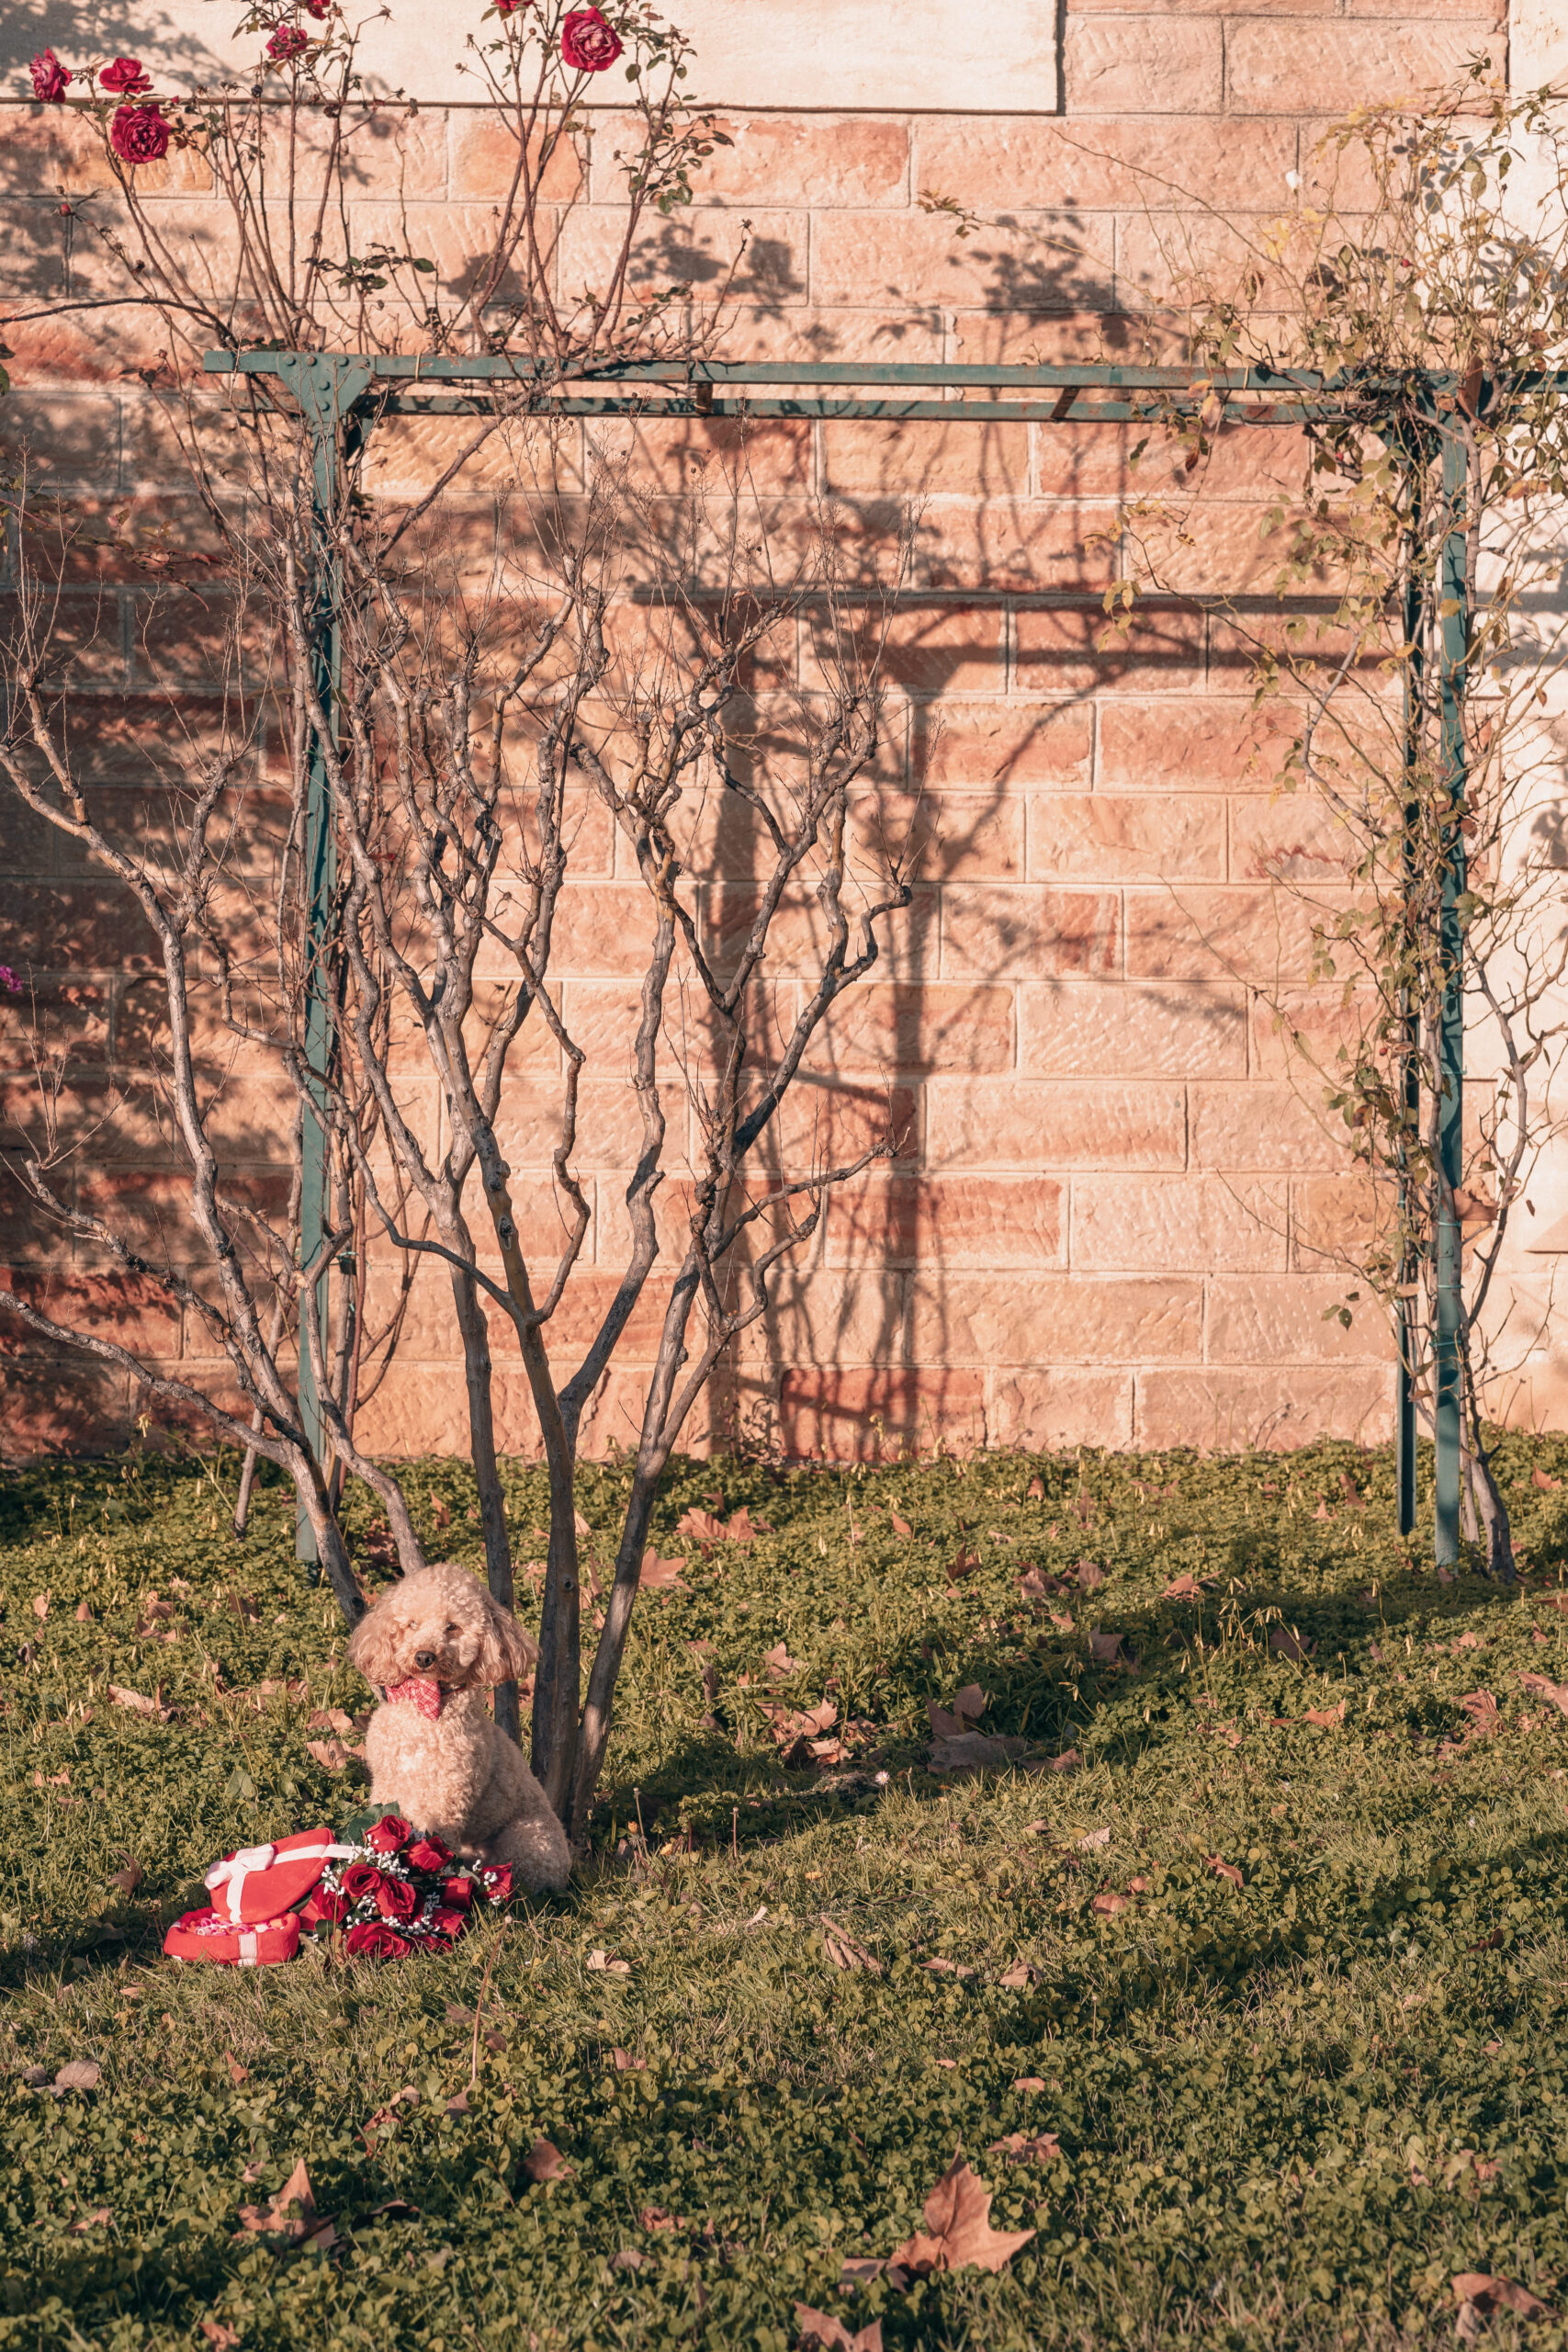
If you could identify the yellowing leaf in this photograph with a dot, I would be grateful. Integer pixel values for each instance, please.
(662, 1576)
(958, 2234)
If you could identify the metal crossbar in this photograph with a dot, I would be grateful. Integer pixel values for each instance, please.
(342, 395)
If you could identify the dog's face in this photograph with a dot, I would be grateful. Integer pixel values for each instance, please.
(440, 1627)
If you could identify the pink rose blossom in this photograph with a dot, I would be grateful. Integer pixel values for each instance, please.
(286, 43)
(138, 135)
(126, 77)
(50, 80)
(9, 981)
(587, 42)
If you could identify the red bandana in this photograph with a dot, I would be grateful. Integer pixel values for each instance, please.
(420, 1693)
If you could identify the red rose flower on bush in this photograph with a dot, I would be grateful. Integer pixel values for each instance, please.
(138, 135)
(125, 76)
(50, 80)
(286, 42)
(359, 1880)
(460, 1891)
(389, 1834)
(397, 1898)
(428, 1853)
(587, 42)
(371, 1941)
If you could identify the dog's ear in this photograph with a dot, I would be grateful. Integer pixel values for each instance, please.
(509, 1653)
(370, 1649)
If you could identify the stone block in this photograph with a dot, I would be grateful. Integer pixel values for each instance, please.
(1187, 1224)
(1106, 165)
(880, 1415)
(809, 159)
(1180, 743)
(1279, 67)
(974, 1223)
(1003, 745)
(706, 252)
(918, 1026)
(1224, 1411)
(483, 160)
(1055, 1411)
(994, 932)
(828, 1319)
(1334, 1220)
(1260, 935)
(925, 460)
(1293, 1318)
(1266, 1127)
(1155, 64)
(1075, 650)
(1124, 1029)
(895, 260)
(995, 1320)
(942, 837)
(1054, 1123)
(1103, 837)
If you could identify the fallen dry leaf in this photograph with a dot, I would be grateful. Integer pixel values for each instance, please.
(604, 1964)
(1482, 1709)
(780, 1664)
(844, 1951)
(331, 1753)
(1068, 1761)
(85, 1614)
(817, 2328)
(128, 1878)
(1137, 1886)
(292, 2214)
(964, 1564)
(1090, 1576)
(329, 1719)
(41, 1605)
(545, 2161)
(1093, 1837)
(625, 2063)
(1226, 1870)
(1029, 2083)
(1062, 1623)
(654, 2217)
(899, 1526)
(1018, 1978)
(1540, 1687)
(99, 2218)
(1036, 1490)
(1107, 1649)
(136, 1703)
(221, 2338)
(238, 2074)
(1031, 1584)
(965, 1713)
(974, 1751)
(459, 2106)
(77, 2075)
(1107, 1902)
(662, 1576)
(1184, 1588)
(940, 1967)
(958, 2234)
(1489, 2294)
(1285, 1642)
(1025, 2148)
(1544, 1483)
(1324, 1717)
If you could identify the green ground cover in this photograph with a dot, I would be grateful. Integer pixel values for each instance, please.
(1282, 2112)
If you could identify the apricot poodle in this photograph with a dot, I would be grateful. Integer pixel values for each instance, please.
(434, 1645)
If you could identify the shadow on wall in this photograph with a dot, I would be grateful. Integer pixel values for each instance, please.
(149, 33)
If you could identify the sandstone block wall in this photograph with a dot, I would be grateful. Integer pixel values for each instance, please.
(1108, 1218)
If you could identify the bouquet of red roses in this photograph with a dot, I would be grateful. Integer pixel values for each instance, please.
(394, 1892)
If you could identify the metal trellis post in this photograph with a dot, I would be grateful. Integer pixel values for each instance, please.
(1453, 627)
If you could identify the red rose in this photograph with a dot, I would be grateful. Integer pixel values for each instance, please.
(126, 77)
(396, 1898)
(587, 44)
(390, 1832)
(505, 7)
(498, 1883)
(427, 1854)
(323, 1905)
(447, 1923)
(138, 135)
(460, 1891)
(317, 8)
(359, 1880)
(371, 1941)
(286, 42)
(50, 80)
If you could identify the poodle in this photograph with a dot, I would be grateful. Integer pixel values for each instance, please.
(435, 1643)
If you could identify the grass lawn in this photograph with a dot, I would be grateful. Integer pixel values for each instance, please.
(1280, 2105)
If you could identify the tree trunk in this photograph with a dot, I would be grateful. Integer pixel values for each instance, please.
(1494, 1518)
(475, 1332)
(330, 1549)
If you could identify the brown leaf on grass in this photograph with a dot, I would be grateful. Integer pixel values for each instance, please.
(1226, 1870)
(1031, 1584)
(1323, 1512)
(958, 2234)
(1029, 2083)
(329, 1719)
(1090, 1576)
(1482, 1709)
(602, 1964)
(962, 1564)
(136, 1703)
(1489, 2295)
(1324, 1717)
(1352, 1492)
(237, 2072)
(1027, 2148)
(99, 2218)
(1185, 1587)
(1068, 1761)
(1107, 1649)
(221, 2338)
(128, 1877)
(1543, 1482)
(625, 2063)
(384, 2117)
(1107, 1902)
(459, 2106)
(1285, 1642)
(1540, 1686)
(701, 1527)
(972, 1751)
(545, 2161)
(844, 1951)
(967, 1708)
(292, 2214)
(779, 1663)
(1137, 1886)
(41, 1605)
(819, 2329)
(77, 2075)
(743, 1528)
(1036, 1490)
(662, 1576)
(654, 2217)
(1093, 1837)
(331, 1753)
(1062, 1623)
(940, 1967)
(1018, 1977)
(1467, 1641)
(900, 1526)
(85, 1614)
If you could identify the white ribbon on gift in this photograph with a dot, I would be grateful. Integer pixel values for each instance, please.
(227, 1877)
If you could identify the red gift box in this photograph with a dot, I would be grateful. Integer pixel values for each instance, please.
(260, 1882)
(203, 1934)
